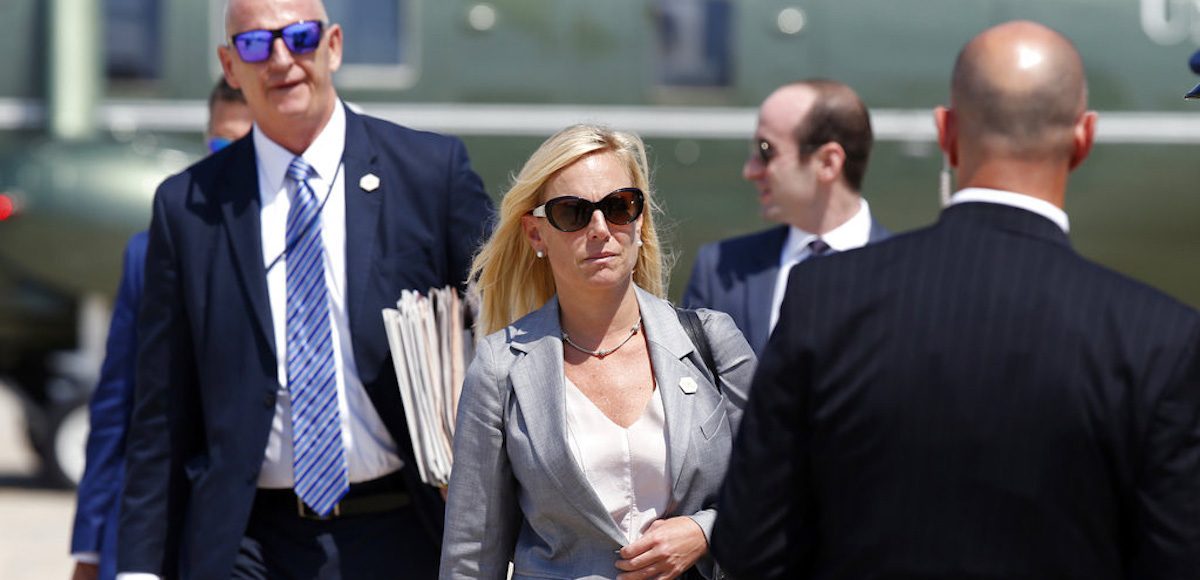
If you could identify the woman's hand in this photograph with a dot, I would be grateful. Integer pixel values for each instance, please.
(667, 549)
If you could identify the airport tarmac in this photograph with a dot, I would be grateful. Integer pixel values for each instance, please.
(35, 522)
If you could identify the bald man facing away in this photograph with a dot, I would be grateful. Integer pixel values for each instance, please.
(975, 399)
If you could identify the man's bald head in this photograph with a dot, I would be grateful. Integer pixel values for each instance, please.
(1018, 90)
(235, 9)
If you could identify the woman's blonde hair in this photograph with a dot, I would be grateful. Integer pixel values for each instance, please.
(510, 280)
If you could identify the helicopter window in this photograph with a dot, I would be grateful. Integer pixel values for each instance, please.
(132, 43)
(694, 42)
(381, 42)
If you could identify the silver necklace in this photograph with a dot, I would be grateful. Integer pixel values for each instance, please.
(603, 352)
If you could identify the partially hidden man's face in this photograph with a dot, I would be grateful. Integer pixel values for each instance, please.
(786, 184)
(228, 122)
(286, 87)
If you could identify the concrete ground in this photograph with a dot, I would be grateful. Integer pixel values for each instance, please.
(35, 522)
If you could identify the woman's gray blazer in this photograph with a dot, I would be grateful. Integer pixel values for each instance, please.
(516, 492)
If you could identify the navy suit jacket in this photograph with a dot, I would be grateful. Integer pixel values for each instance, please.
(737, 276)
(970, 400)
(108, 413)
(206, 380)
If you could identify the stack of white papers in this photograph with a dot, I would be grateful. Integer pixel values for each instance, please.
(431, 347)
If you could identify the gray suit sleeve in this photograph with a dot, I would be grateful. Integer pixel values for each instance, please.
(735, 363)
(482, 514)
(734, 358)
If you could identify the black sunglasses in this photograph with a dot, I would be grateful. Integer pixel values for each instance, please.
(300, 38)
(764, 150)
(571, 214)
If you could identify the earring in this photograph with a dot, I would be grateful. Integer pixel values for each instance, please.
(639, 243)
(540, 254)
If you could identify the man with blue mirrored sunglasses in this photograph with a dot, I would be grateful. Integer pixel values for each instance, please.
(268, 437)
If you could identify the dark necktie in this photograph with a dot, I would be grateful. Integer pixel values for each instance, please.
(818, 248)
(319, 459)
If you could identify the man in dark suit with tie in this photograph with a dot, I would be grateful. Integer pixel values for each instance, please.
(807, 160)
(975, 399)
(268, 436)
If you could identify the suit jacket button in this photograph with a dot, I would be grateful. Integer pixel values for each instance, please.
(269, 400)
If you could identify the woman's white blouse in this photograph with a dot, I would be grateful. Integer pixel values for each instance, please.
(626, 467)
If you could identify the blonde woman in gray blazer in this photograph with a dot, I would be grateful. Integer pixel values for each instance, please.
(591, 439)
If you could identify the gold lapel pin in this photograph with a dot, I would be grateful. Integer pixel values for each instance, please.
(687, 385)
(369, 182)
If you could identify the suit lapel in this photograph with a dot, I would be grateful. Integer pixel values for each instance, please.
(669, 371)
(241, 209)
(363, 216)
(878, 232)
(537, 382)
(760, 288)
(669, 346)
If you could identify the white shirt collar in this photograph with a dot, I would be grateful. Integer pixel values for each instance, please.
(853, 233)
(324, 154)
(1013, 199)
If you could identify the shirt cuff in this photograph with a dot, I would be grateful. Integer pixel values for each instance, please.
(86, 557)
(137, 576)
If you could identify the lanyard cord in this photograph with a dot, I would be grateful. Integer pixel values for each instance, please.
(287, 248)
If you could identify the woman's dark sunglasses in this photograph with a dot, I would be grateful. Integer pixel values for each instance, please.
(571, 214)
(301, 38)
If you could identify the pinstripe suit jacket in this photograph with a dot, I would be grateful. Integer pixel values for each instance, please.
(971, 400)
(517, 494)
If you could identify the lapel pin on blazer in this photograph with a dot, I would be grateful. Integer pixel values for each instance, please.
(369, 182)
(687, 385)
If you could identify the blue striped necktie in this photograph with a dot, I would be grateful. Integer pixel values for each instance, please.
(319, 460)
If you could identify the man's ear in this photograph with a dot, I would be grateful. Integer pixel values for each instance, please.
(335, 47)
(830, 158)
(225, 55)
(1083, 136)
(947, 133)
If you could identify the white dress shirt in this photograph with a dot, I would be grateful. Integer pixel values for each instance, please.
(627, 467)
(854, 233)
(1012, 199)
(370, 450)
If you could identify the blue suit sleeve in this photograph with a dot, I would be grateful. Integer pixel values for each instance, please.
(470, 214)
(109, 415)
(697, 293)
